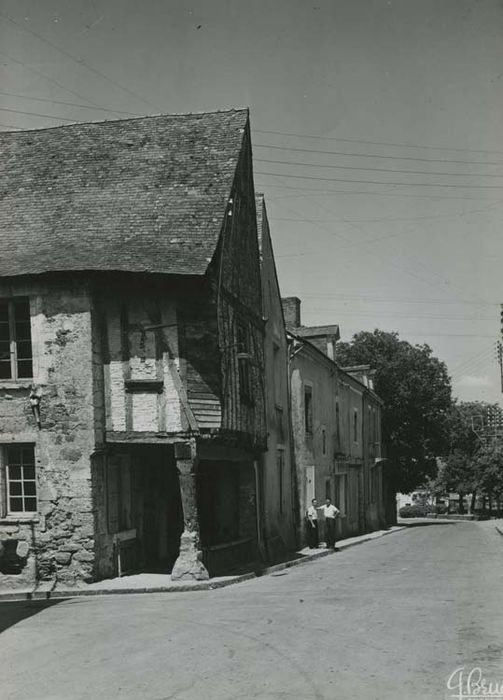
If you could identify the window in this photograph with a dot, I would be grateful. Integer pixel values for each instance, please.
(244, 357)
(280, 461)
(328, 489)
(324, 441)
(20, 479)
(355, 425)
(308, 410)
(15, 339)
(340, 492)
(337, 424)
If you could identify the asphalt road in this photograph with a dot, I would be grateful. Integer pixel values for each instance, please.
(391, 618)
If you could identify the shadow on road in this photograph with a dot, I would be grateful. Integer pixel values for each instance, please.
(12, 612)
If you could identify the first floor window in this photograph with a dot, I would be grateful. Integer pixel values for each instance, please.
(15, 339)
(20, 479)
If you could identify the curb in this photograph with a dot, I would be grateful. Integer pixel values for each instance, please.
(196, 586)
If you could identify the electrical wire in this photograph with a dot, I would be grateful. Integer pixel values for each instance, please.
(376, 155)
(69, 104)
(377, 170)
(79, 62)
(377, 182)
(375, 143)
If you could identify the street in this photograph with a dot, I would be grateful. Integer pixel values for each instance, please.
(391, 618)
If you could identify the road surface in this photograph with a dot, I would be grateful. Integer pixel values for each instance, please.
(391, 618)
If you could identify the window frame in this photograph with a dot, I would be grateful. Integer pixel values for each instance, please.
(7, 480)
(12, 322)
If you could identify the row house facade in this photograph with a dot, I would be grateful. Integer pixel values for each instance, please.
(336, 418)
(132, 398)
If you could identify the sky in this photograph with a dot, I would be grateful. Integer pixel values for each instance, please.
(376, 134)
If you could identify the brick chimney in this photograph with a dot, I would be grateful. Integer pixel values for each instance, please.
(291, 311)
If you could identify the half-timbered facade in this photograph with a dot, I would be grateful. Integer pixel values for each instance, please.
(132, 409)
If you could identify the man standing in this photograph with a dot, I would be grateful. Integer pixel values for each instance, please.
(330, 512)
(312, 525)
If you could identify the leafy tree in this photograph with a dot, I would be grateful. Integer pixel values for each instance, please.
(489, 472)
(468, 466)
(416, 391)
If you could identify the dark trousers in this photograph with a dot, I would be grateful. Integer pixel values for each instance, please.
(330, 532)
(312, 534)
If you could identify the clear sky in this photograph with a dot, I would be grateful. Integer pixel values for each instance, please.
(386, 205)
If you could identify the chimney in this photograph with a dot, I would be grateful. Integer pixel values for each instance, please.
(291, 311)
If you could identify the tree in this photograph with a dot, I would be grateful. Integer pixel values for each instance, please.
(470, 465)
(416, 391)
(489, 473)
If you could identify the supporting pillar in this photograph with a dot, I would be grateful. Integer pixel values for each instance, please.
(189, 565)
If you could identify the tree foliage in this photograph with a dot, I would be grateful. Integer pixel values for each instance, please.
(470, 466)
(416, 391)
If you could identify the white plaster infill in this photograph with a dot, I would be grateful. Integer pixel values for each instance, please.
(162, 583)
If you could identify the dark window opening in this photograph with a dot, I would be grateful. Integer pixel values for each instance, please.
(308, 410)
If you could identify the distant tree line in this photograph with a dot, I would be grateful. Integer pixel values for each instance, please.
(427, 435)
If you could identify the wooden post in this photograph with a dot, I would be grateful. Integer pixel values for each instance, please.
(189, 565)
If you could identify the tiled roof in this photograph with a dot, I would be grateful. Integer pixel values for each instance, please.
(144, 194)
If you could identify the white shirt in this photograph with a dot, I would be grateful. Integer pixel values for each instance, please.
(312, 513)
(330, 511)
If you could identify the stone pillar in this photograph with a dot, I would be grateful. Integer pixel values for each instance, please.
(189, 565)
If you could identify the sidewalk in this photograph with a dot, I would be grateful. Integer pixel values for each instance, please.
(162, 583)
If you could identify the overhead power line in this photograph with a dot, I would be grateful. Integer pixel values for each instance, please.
(49, 79)
(69, 104)
(400, 300)
(79, 62)
(386, 182)
(372, 193)
(375, 143)
(411, 219)
(36, 114)
(376, 155)
(376, 170)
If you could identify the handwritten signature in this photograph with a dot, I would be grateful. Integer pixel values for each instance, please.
(472, 684)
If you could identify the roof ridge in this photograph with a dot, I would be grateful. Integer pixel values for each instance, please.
(231, 110)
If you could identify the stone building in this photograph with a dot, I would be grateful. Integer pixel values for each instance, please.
(336, 418)
(132, 410)
(278, 487)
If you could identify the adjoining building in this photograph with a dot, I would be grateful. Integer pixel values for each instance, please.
(132, 400)
(336, 419)
(278, 493)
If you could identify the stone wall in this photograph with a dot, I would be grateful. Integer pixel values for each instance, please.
(58, 542)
